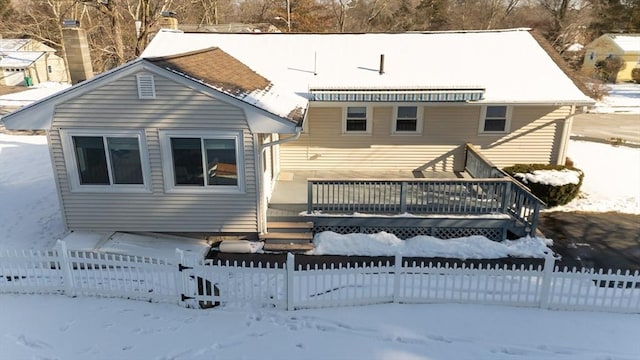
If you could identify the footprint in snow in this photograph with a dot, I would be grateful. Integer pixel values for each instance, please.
(408, 340)
(66, 326)
(511, 351)
(32, 343)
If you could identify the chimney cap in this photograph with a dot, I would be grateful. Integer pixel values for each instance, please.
(168, 13)
(70, 23)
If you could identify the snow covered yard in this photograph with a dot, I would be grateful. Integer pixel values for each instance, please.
(622, 98)
(80, 328)
(89, 328)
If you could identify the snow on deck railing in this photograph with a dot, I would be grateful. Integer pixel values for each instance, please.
(290, 285)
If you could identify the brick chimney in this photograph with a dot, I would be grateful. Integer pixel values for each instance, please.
(76, 48)
(168, 20)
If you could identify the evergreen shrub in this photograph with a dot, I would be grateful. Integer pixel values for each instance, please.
(552, 195)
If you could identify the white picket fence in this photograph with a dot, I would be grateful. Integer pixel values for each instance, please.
(193, 282)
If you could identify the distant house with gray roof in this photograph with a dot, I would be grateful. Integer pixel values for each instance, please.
(26, 62)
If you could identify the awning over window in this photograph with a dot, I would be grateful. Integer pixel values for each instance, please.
(398, 95)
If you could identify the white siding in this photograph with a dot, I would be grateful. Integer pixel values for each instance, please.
(116, 105)
(440, 147)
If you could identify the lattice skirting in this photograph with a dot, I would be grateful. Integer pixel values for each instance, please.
(495, 234)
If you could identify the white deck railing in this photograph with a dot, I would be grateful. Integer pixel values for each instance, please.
(192, 282)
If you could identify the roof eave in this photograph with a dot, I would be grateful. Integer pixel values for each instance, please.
(38, 115)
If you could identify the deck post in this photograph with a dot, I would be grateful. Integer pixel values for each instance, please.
(403, 197)
(309, 196)
(534, 221)
(506, 196)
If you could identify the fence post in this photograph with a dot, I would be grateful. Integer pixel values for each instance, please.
(547, 276)
(291, 263)
(181, 280)
(396, 277)
(403, 197)
(67, 269)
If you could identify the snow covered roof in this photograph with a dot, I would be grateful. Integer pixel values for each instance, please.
(38, 115)
(510, 65)
(12, 44)
(626, 42)
(18, 59)
(23, 45)
(217, 69)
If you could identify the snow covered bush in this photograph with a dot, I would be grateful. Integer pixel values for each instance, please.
(635, 75)
(553, 184)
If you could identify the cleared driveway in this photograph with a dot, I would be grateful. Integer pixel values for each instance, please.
(605, 127)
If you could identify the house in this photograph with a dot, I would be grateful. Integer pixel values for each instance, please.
(204, 131)
(624, 46)
(29, 62)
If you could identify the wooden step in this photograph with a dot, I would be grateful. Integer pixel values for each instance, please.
(288, 247)
(287, 236)
(290, 225)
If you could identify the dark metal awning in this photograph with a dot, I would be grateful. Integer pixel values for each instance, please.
(398, 95)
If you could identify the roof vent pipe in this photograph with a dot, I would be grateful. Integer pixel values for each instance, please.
(381, 71)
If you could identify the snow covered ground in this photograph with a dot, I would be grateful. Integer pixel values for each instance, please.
(57, 327)
(622, 98)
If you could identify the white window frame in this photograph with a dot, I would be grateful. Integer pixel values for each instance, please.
(369, 122)
(419, 120)
(167, 161)
(71, 162)
(483, 118)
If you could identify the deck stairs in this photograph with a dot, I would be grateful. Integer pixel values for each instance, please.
(292, 235)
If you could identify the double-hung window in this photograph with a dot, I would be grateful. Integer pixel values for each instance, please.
(495, 119)
(356, 120)
(110, 161)
(202, 161)
(407, 120)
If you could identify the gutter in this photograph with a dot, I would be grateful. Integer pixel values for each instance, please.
(262, 201)
(264, 147)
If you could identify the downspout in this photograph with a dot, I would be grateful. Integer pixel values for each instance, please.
(566, 135)
(262, 203)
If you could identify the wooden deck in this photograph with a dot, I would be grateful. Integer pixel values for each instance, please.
(290, 195)
(406, 203)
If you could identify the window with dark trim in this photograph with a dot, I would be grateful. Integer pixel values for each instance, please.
(356, 119)
(495, 119)
(406, 119)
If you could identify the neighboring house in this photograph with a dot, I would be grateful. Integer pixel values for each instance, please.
(194, 135)
(28, 62)
(624, 46)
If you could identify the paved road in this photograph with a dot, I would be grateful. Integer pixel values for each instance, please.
(599, 240)
(608, 126)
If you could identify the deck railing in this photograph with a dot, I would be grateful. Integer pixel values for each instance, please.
(424, 196)
(478, 166)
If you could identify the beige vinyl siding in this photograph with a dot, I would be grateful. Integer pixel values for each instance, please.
(116, 106)
(531, 139)
(440, 146)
